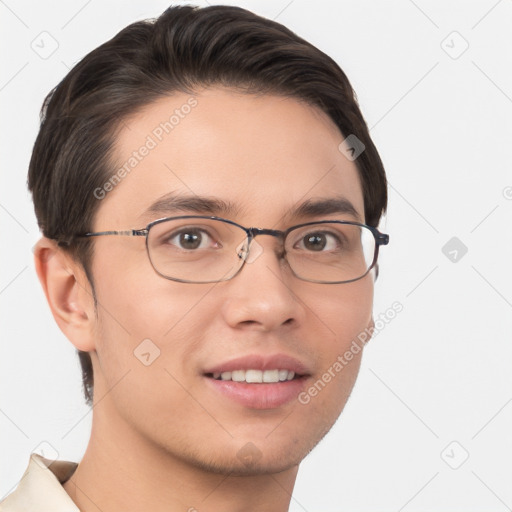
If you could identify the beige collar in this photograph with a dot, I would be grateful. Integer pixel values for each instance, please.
(40, 487)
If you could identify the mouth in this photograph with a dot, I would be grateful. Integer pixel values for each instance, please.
(258, 382)
(254, 376)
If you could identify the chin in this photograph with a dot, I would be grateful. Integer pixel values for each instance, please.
(249, 467)
(258, 457)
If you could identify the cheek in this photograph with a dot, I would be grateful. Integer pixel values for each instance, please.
(347, 311)
(150, 327)
(141, 318)
(134, 301)
(143, 339)
(347, 317)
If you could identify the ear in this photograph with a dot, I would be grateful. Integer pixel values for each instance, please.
(68, 292)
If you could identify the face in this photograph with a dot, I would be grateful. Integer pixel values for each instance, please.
(265, 156)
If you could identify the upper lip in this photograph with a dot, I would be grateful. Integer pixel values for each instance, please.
(261, 362)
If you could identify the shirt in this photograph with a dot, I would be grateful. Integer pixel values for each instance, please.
(40, 488)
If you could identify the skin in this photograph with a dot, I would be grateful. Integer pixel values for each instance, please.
(161, 438)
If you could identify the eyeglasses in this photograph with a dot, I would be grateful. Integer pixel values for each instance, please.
(202, 249)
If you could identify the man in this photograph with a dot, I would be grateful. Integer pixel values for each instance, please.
(209, 195)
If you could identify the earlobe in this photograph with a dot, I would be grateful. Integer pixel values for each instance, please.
(67, 291)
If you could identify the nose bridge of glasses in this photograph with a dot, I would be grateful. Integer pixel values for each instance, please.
(252, 233)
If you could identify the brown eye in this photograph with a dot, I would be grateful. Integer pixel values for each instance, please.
(190, 239)
(314, 242)
(319, 241)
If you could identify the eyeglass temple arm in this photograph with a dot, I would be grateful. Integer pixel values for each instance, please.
(130, 232)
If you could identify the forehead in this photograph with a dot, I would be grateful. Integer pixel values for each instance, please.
(259, 156)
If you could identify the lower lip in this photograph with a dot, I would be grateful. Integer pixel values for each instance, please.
(259, 396)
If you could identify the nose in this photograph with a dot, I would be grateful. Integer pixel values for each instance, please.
(263, 295)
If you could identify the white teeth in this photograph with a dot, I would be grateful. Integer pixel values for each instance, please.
(271, 376)
(255, 376)
(238, 375)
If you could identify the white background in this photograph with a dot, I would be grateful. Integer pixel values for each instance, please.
(441, 370)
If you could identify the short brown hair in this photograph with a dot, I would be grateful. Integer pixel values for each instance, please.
(185, 48)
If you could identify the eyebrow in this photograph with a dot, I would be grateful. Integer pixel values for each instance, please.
(172, 203)
(326, 206)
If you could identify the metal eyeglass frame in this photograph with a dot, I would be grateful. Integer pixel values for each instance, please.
(380, 239)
